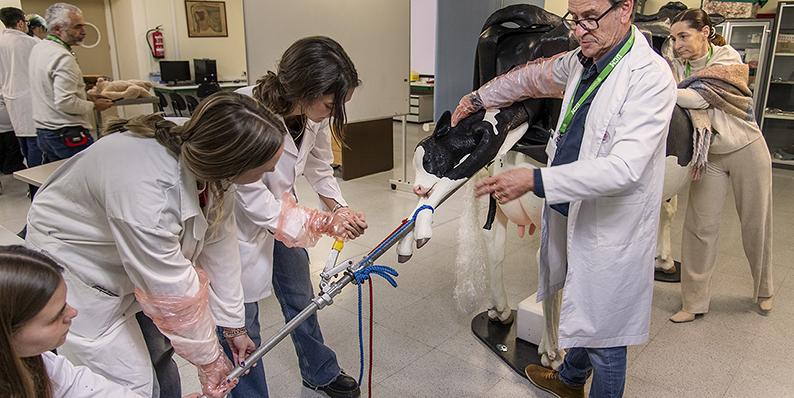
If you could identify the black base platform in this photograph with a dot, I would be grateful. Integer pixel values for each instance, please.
(502, 340)
(670, 278)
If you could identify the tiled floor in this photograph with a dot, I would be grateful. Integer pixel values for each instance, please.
(423, 346)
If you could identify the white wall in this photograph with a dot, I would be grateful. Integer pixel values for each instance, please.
(9, 3)
(132, 18)
(423, 36)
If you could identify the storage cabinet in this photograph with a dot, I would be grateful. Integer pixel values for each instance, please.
(777, 122)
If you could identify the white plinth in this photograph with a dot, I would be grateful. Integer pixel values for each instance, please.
(529, 322)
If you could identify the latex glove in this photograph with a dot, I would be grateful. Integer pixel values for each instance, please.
(469, 104)
(212, 377)
(241, 346)
(507, 185)
(302, 227)
(355, 222)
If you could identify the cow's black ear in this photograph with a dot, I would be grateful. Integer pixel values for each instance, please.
(442, 126)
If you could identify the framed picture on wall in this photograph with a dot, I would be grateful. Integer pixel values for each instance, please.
(206, 19)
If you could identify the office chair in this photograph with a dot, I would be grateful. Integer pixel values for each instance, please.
(192, 103)
(178, 103)
(163, 101)
(206, 89)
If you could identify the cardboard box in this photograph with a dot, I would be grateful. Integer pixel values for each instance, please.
(529, 322)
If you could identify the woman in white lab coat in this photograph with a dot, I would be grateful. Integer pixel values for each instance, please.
(34, 320)
(145, 215)
(314, 80)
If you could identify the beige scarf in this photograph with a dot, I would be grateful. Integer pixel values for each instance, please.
(723, 87)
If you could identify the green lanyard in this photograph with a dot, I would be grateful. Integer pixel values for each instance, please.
(689, 71)
(601, 76)
(59, 41)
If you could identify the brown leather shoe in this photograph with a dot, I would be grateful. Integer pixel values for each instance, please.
(549, 380)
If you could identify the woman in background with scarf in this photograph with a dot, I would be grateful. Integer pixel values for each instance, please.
(729, 148)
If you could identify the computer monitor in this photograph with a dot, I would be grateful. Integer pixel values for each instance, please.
(205, 71)
(174, 71)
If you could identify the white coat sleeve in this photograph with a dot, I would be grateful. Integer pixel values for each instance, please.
(256, 203)
(64, 85)
(318, 170)
(69, 381)
(641, 125)
(152, 255)
(220, 257)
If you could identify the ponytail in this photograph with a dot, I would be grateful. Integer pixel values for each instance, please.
(166, 132)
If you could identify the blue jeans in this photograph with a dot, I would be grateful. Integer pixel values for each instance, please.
(161, 352)
(608, 366)
(31, 151)
(253, 384)
(52, 143)
(34, 156)
(292, 286)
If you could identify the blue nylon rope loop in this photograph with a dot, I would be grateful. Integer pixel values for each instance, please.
(383, 271)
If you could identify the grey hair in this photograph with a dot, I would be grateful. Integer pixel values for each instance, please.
(58, 15)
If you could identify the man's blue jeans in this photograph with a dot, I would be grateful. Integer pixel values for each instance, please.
(31, 151)
(292, 286)
(52, 143)
(253, 384)
(608, 366)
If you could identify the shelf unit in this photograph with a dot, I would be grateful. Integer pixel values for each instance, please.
(777, 119)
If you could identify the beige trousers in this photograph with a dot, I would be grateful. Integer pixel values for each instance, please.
(749, 171)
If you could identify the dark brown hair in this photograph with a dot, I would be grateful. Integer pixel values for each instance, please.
(696, 19)
(310, 68)
(28, 279)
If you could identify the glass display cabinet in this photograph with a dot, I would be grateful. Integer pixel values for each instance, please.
(750, 37)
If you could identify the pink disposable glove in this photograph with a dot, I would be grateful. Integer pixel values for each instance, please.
(302, 227)
(212, 377)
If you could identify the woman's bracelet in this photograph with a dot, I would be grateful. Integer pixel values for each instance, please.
(233, 332)
(337, 207)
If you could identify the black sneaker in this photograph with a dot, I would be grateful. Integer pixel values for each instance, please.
(343, 387)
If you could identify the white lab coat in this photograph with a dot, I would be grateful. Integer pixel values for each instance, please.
(5, 120)
(602, 253)
(258, 205)
(15, 48)
(125, 213)
(69, 381)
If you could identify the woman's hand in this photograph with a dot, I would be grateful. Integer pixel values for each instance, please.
(242, 346)
(353, 222)
(212, 377)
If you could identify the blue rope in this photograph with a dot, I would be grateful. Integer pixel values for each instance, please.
(383, 271)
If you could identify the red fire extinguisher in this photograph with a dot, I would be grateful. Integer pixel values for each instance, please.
(156, 46)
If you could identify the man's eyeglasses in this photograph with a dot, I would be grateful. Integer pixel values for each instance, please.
(587, 24)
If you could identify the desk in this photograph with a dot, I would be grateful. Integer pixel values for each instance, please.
(37, 175)
(193, 87)
(9, 238)
(134, 101)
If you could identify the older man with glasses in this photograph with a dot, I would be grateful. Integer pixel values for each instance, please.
(602, 188)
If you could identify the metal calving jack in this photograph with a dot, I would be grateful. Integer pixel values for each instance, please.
(330, 288)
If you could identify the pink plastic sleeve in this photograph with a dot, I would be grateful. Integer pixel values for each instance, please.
(533, 80)
(187, 323)
(302, 227)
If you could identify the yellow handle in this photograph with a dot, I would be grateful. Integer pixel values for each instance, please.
(338, 245)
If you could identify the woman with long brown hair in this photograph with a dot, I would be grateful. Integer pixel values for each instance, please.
(143, 219)
(314, 80)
